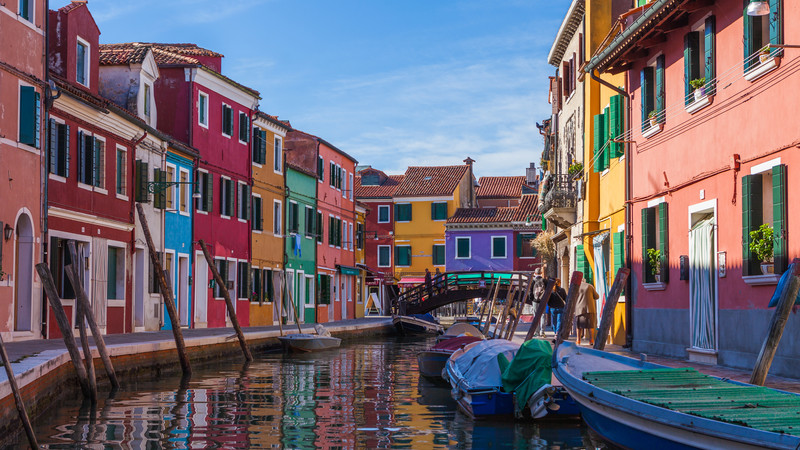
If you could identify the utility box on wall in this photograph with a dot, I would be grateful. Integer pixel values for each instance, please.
(684, 267)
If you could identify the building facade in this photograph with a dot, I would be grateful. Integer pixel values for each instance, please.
(301, 239)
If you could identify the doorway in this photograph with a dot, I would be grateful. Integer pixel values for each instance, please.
(23, 274)
(183, 290)
(138, 288)
(702, 278)
(200, 290)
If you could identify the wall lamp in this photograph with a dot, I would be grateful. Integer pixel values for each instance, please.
(7, 231)
(758, 8)
(157, 187)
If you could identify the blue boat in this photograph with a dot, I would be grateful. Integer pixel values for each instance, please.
(417, 324)
(636, 404)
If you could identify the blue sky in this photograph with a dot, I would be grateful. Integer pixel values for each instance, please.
(392, 82)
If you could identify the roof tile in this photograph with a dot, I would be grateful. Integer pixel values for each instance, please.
(500, 187)
(384, 190)
(432, 180)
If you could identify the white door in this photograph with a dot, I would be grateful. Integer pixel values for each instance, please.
(139, 281)
(200, 290)
(183, 290)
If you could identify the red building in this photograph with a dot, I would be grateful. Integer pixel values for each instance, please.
(375, 189)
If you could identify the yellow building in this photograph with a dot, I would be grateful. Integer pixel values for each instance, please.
(361, 219)
(267, 217)
(423, 202)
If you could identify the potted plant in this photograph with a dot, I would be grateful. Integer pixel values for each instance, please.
(654, 263)
(2, 274)
(699, 87)
(576, 170)
(653, 116)
(761, 244)
(764, 54)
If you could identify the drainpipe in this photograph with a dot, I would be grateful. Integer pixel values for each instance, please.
(45, 245)
(628, 215)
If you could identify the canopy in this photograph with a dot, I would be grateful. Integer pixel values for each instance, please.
(529, 371)
(478, 366)
(411, 280)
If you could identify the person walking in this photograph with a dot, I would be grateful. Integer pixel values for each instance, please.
(586, 312)
(556, 302)
(428, 285)
(538, 293)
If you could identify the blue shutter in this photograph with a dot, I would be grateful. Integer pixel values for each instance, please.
(710, 56)
(775, 22)
(660, 89)
(27, 115)
(38, 120)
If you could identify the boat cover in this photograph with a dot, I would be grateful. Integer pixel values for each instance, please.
(529, 370)
(426, 317)
(455, 343)
(478, 366)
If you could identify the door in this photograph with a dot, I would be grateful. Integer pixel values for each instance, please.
(200, 290)
(183, 290)
(290, 297)
(300, 298)
(702, 283)
(23, 274)
(138, 288)
(308, 298)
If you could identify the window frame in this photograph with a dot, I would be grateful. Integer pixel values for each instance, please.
(397, 212)
(256, 220)
(389, 255)
(226, 107)
(202, 105)
(435, 209)
(225, 202)
(505, 247)
(277, 154)
(29, 12)
(171, 190)
(469, 241)
(244, 128)
(184, 191)
(442, 251)
(277, 219)
(121, 173)
(388, 209)
(86, 61)
(62, 156)
(397, 253)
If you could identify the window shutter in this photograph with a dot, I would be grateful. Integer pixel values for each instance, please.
(231, 198)
(663, 236)
(710, 56)
(606, 137)
(775, 22)
(660, 64)
(52, 145)
(256, 157)
(100, 164)
(208, 198)
(247, 202)
(142, 194)
(599, 131)
(619, 251)
(158, 195)
(751, 219)
(518, 245)
(616, 125)
(223, 192)
(27, 115)
(646, 92)
(779, 216)
(37, 136)
(263, 146)
(582, 264)
(66, 154)
(81, 158)
(648, 240)
(691, 63)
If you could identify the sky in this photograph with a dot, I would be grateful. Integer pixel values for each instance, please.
(393, 83)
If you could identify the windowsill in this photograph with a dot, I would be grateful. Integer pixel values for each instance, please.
(242, 142)
(256, 231)
(499, 257)
(653, 130)
(116, 303)
(184, 213)
(277, 172)
(700, 103)
(200, 211)
(122, 197)
(659, 286)
(761, 280)
(58, 178)
(202, 125)
(224, 216)
(226, 135)
(257, 165)
(241, 220)
(763, 68)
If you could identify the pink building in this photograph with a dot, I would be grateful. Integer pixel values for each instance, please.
(23, 157)
(708, 166)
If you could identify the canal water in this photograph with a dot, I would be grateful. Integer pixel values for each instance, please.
(368, 394)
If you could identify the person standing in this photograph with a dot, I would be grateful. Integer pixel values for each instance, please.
(538, 293)
(556, 302)
(428, 285)
(586, 312)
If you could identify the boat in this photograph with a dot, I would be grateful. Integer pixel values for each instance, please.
(417, 323)
(636, 404)
(431, 362)
(459, 329)
(306, 342)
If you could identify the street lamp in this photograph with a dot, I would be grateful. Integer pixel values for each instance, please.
(758, 8)
(157, 187)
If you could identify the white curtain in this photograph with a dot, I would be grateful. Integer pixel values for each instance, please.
(701, 284)
(600, 269)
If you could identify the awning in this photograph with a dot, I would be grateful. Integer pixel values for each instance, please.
(348, 270)
(411, 280)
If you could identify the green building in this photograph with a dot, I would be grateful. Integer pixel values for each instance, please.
(301, 238)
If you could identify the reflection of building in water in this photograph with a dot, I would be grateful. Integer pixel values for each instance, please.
(265, 395)
(335, 394)
(299, 419)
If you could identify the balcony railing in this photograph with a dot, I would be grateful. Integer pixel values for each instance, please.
(560, 191)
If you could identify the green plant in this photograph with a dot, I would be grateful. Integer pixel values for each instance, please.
(652, 114)
(761, 243)
(765, 50)
(697, 83)
(2, 274)
(575, 169)
(654, 261)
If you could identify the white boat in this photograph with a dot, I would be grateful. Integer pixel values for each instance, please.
(417, 323)
(305, 342)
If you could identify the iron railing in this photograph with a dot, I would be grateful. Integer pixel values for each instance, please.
(560, 191)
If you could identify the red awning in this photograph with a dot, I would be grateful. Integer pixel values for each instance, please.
(411, 280)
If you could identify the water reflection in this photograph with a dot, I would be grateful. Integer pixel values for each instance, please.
(365, 395)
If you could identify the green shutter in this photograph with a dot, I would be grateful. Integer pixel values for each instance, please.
(208, 199)
(775, 22)
(619, 251)
(66, 155)
(646, 95)
(752, 199)
(263, 147)
(231, 198)
(660, 66)
(223, 191)
(710, 56)
(599, 141)
(247, 201)
(142, 195)
(159, 196)
(691, 63)
(52, 145)
(663, 237)
(37, 121)
(582, 264)
(518, 246)
(747, 38)
(779, 217)
(27, 115)
(648, 240)
(97, 163)
(606, 138)
(81, 158)
(616, 125)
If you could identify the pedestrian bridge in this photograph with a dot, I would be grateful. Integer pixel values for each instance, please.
(451, 287)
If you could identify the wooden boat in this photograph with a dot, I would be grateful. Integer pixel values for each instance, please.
(635, 404)
(431, 362)
(416, 324)
(459, 329)
(309, 342)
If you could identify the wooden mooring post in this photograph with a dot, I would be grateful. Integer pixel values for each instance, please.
(81, 297)
(541, 307)
(294, 308)
(609, 307)
(569, 308)
(776, 326)
(485, 302)
(64, 326)
(490, 312)
(231, 309)
(88, 359)
(23, 414)
(523, 300)
(166, 294)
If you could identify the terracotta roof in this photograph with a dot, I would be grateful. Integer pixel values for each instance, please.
(75, 4)
(434, 180)
(122, 54)
(500, 187)
(528, 207)
(384, 190)
(503, 214)
(274, 120)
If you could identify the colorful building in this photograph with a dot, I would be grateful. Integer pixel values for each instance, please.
(23, 150)
(269, 194)
(360, 257)
(704, 174)
(494, 192)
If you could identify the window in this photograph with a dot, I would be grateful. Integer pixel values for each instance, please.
(324, 283)
(26, 9)
(345, 242)
(439, 211)
(760, 31)
(30, 113)
(402, 212)
(310, 221)
(525, 245)
(122, 172)
(438, 255)
(655, 235)
(352, 186)
(463, 247)
(183, 189)
(344, 180)
(227, 197)
(160, 195)
(277, 217)
(764, 197)
(58, 144)
(334, 231)
(243, 210)
(259, 146)
(384, 256)
(256, 285)
(652, 95)
(170, 188)
(321, 168)
(91, 160)
(332, 177)
(268, 286)
(227, 120)
(82, 63)
(350, 237)
(153, 286)
(222, 268)
(499, 250)
(277, 155)
(608, 126)
(244, 127)
(202, 110)
(147, 100)
(383, 213)
(402, 255)
(293, 218)
(141, 177)
(167, 267)
(360, 236)
(319, 229)
(243, 276)
(698, 59)
(206, 188)
(58, 261)
(257, 223)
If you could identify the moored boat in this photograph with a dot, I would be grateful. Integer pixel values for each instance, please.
(431, 362)
(309, 342)
(417, 323)
(636, 404)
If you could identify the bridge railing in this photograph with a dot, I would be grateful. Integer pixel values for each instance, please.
(459, 280)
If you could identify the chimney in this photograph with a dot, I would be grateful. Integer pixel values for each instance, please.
(531, 174)
(469, 162)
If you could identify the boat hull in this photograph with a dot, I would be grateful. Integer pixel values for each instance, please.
(309, 342)
(412, 325)
(432, 362)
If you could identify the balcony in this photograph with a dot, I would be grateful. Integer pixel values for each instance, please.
(559, 200)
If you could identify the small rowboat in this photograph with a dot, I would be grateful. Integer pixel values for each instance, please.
(309, 342)
(417, 324)
(432, 362)
(635, 404)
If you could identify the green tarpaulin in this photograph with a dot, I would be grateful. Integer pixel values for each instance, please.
(529, 370)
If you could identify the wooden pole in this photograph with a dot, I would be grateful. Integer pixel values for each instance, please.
(609, 307)
(280, 305)
(776, 326)
(294, 309)
(521, 303)
(569, 308)
(12, 380)
(64, 326)
(541, 307)
(490, 312)
(88, 359)
(485, 301)
(166, 293)
(80, 295)
(231, 310)
(510, 299)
